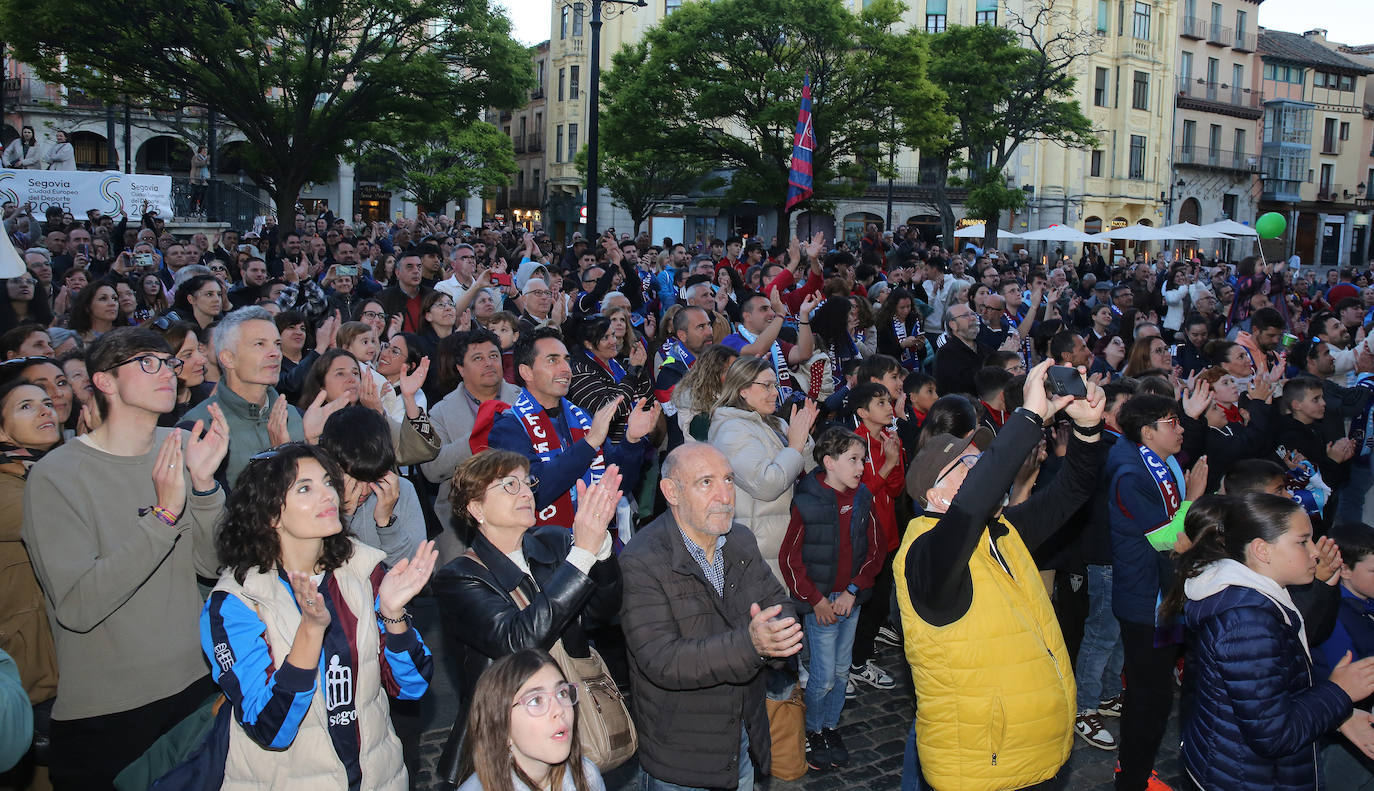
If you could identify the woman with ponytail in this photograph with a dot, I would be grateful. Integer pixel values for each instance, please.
(1258, 710)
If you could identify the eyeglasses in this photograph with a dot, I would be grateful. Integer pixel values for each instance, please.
(537, 703)
(1164, 421)
(512, 484)
(151, 363)
(767, 385)
(372, 314)
(23, 281)
(162, 323)
(539, 292)
(26, 360)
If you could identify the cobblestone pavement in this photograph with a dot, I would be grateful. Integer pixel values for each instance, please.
(874, 727)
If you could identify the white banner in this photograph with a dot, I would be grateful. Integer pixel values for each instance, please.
(79, 191)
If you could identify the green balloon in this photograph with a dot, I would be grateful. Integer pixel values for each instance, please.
(1270, 225)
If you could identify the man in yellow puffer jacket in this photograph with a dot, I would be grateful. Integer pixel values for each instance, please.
(994, 684)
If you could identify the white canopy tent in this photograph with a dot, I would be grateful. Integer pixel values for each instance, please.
(1137, 233)
(978, 232)
(1232, 228)
(1187, 230)
(1059, 233)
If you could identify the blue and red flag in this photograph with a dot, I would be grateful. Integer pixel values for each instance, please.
(799, 179)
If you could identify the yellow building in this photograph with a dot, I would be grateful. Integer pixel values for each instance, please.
(1316, 141)
(565, 127)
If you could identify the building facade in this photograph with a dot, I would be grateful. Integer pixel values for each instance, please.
(1218, 106)
(1316, 147)
(522, 202)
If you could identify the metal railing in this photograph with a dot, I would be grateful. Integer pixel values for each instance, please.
(1331, 145)
(1329, 192)
(534, 143)
(1220, 34)
(518, 142)
(1244, 42)
(1281, 189)
(1208, 157)
(1192, 27)
(1219, 93)
(224, 202)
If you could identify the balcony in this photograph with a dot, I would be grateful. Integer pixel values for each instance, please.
(1218, 97)
(1220, 35)
(519, 144)
(537, 93)
(1331, 146)
(919, 183)
(1192, 27)
(1244, 42)
(1281, 190)
(1208, 158)
(1329, 193)
(534, 143)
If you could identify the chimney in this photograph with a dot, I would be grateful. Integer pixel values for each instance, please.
(1316, 33)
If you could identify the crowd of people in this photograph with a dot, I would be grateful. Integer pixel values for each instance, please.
(724, 472)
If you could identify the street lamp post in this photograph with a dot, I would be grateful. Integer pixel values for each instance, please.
(594, 105)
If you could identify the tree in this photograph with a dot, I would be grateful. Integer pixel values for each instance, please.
(1005, 87)
(437, 164)
(299, 80)
(716, 86)
(641, 181)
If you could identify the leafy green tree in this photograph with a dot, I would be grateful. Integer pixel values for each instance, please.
(641, 181)
(1005, 87)
(433, 165)
(301, 81)
(716, 87)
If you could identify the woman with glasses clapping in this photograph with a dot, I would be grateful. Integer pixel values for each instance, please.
(518, 586)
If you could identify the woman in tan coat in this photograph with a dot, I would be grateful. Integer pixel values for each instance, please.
(28, 429)
(766, 453)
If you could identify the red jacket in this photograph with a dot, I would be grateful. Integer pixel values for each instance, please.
(886, 489)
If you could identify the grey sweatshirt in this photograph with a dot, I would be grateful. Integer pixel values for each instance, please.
(120, 587)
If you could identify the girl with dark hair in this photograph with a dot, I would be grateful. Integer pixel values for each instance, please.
(152, 295)
(185, 340)
(1258, 710)
(47, 373)
(402, 355)
(26, 303)
(521, 730)
(953, 414)
(95, 311)
(831, 324)
(899, 329)
(598, 377)
(297, 587)
(200, 300)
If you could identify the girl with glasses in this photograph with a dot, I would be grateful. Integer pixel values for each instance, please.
(521, 730)
(569, 579)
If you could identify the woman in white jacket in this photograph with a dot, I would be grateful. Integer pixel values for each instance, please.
(767, 454)
(23, 152)
(60, 156)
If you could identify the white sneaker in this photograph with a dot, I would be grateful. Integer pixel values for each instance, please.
(888, 636)
(1090, 728)
(871, 675)
(850, 691)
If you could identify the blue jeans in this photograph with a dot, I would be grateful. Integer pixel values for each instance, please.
(648, 782)
(1350, 505)
(1100, 657)
(830, 648)
(911, 764)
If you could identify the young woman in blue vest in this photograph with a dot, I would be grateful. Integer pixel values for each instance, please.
(1259, 708)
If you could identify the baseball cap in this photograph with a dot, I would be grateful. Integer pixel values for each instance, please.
(938, 453)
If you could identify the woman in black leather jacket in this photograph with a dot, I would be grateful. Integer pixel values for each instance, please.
(518, 586)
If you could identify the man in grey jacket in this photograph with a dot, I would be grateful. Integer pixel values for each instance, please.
(478, 359)
(702, 615)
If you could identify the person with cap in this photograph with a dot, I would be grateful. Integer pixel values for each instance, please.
(991, 670)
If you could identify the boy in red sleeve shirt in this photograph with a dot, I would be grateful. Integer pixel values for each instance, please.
(885, 476)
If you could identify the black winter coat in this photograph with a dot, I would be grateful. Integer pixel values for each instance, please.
(693, 668)
(482, 622)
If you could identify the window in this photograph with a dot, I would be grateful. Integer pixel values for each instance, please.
(1140, 25)
(558, 146)
(1328, 173)
(935, 23)
(572, 141)
(1240, 28)
(1279, 73)
(563, 23)
(562, 75)
(1213, 142)
(1345, 130)
(1329, 136)
(577, 19)
(1137, 157)
(1121, 17)
(1100, 88)
(669, 6)
(534, 182)
(573, 84)
(1102, 11)
(1237, 80)
(1213, 71)
(540, 76)
(1185, 65)
(1095, 167)
(985, 18)
(1216, 19)
(1240, 145)
(1140, 91)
